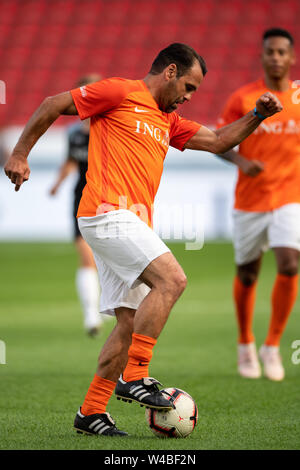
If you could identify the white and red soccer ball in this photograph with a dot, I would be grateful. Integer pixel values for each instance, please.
(178, 422)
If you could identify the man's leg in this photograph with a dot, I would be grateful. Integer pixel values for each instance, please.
(92, 417)
(284, 293)
(244, 292)
(111, 363)
(137, 253)
(136, 331)
(88, 288)
(167, 281)
(284, 234)
(250, 237)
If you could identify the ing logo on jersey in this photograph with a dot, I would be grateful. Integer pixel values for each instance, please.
(279, 127)
(155, 132)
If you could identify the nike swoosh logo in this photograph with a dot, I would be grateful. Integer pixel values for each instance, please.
(137, 110)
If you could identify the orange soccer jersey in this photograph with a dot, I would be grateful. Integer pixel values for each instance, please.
(276, 142)
(129, 139)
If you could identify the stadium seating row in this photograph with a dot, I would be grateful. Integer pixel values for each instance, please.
(46, 45)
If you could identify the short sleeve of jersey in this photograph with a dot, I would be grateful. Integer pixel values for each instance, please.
(181, 131)
(100, 97)
(232, 111)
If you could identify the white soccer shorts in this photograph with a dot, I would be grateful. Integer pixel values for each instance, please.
(255, 232)
(123, 246)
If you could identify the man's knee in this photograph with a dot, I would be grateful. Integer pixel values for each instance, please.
(248, 273)
(166, 275)
(181, 282)
(176, 283)
(289, 268)
(247, 277)
(287, 260)
(125, 318)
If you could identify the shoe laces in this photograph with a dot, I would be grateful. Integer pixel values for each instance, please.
(153, 388)
(151, 385)
(248, 357)
(110, 419)
(274, 357)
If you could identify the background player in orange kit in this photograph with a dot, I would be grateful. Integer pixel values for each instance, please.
(267, 204)
(87, 282)
(132, 126)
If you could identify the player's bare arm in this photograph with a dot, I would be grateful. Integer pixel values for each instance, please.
(248, 167)
(17, 168)
(227, 137)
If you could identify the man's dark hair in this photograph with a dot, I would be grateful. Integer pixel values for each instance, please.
(180, 54)
(275, 32)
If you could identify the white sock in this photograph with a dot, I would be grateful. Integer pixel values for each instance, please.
(88, 289)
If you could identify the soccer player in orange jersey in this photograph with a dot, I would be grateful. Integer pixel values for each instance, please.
(267, 204)
(133, 122)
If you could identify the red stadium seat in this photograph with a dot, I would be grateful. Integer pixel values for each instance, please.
(84, 14)
(42, 57)
(58, 13)
(168, 12)
(244, 57)
(9, 11)
(215, 57)
(141, 13)
(79, 37)
(12, 78)
(107, 35)
(163, 35)
(4, 34)
(69, 58)
(135, 34)
(98, 58)
(194, 35)
(23, 35)
(15, 57)
(50, 35)
(113, 13)
(30, 12)
(195, 13)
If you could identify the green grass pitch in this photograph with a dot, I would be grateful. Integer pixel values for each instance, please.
(50, 360)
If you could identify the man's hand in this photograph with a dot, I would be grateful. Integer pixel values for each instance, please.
(251, 167)
(54, 190)
(248, 167)
(268, 104)
(17, 169)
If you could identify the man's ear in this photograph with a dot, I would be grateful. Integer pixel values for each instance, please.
(171, 71)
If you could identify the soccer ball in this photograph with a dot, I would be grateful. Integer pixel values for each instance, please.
(178, 422)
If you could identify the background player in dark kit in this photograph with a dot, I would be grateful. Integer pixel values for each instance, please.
(87, 283)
